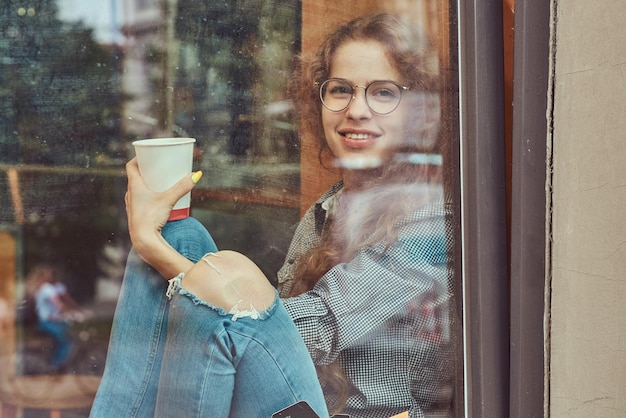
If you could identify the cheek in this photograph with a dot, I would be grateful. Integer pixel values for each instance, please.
(325, 121)
(399, 126)
(422, 122)
(329, 123)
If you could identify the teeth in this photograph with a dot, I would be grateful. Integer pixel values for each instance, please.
(358, 136)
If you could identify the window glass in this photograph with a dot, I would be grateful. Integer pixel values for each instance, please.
(79, 82)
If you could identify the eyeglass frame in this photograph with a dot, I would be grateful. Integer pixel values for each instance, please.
(353, 95)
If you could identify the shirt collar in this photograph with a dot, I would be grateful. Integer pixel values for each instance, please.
(325, 204)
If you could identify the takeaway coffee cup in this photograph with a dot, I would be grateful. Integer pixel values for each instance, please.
(164, 161)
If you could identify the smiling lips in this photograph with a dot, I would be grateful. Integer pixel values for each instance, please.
(358, 139)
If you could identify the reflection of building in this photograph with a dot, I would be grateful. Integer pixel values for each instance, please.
(141, 25)
(211, 71)
(217, 72)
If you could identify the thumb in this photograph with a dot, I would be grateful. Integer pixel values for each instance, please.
(182, 187)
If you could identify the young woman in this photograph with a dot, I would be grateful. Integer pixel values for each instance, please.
(364, 288)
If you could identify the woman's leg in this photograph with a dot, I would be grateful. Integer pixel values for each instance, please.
(130, 381)
(239, 364)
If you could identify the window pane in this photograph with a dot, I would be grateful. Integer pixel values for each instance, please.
(80, 81)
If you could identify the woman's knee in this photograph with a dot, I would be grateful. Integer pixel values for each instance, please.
(229, 279)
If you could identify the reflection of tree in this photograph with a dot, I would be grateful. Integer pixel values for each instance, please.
(59, 88)
(59, 105)
(235, 43)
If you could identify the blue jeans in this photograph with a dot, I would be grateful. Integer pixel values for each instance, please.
(58, 330)
(185, 358)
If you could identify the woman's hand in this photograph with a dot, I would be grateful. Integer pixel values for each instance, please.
(147, 211)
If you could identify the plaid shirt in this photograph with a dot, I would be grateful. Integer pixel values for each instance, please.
(384, 314)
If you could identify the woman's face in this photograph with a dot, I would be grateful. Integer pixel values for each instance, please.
(358, 137)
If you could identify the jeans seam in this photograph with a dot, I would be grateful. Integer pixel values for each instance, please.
(269, 353)
(152, 356)
(205, 380)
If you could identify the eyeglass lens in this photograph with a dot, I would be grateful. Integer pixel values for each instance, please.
(382, 96)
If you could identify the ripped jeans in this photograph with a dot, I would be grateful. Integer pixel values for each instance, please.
(184, 357)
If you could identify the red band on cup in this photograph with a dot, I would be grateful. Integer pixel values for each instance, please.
(178, 214)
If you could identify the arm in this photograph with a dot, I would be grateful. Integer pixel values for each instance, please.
(64, 297)
(58, 301)
(147, 213)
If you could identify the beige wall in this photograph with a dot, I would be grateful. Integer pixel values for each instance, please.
(588, 308)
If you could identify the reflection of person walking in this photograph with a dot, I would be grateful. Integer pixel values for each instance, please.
(50, 308)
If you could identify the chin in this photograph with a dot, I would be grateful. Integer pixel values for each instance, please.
(359, 161)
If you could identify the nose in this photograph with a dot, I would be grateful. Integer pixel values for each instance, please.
(358, 107)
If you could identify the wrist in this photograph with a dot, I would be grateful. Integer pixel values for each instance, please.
(153, 249)
(147, 243)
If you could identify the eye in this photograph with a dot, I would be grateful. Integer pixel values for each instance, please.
(383, 91)
(339, 89)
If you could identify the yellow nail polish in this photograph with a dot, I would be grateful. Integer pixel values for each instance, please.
(195, 177)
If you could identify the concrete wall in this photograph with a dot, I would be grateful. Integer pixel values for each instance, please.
(588, 305)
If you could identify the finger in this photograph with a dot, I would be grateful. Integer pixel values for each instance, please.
(132, 170)
(132, 165)
(182, 187)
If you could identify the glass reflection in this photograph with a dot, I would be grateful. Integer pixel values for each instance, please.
(72, 100)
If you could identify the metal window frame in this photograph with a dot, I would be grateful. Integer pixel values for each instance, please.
(504, 310)
(483, 209)
(529, 202)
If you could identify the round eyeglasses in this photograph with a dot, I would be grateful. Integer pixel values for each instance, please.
(382, 96)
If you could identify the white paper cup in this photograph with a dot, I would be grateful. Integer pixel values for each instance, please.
(164, 161)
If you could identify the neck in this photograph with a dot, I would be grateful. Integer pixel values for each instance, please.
(358, 179)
